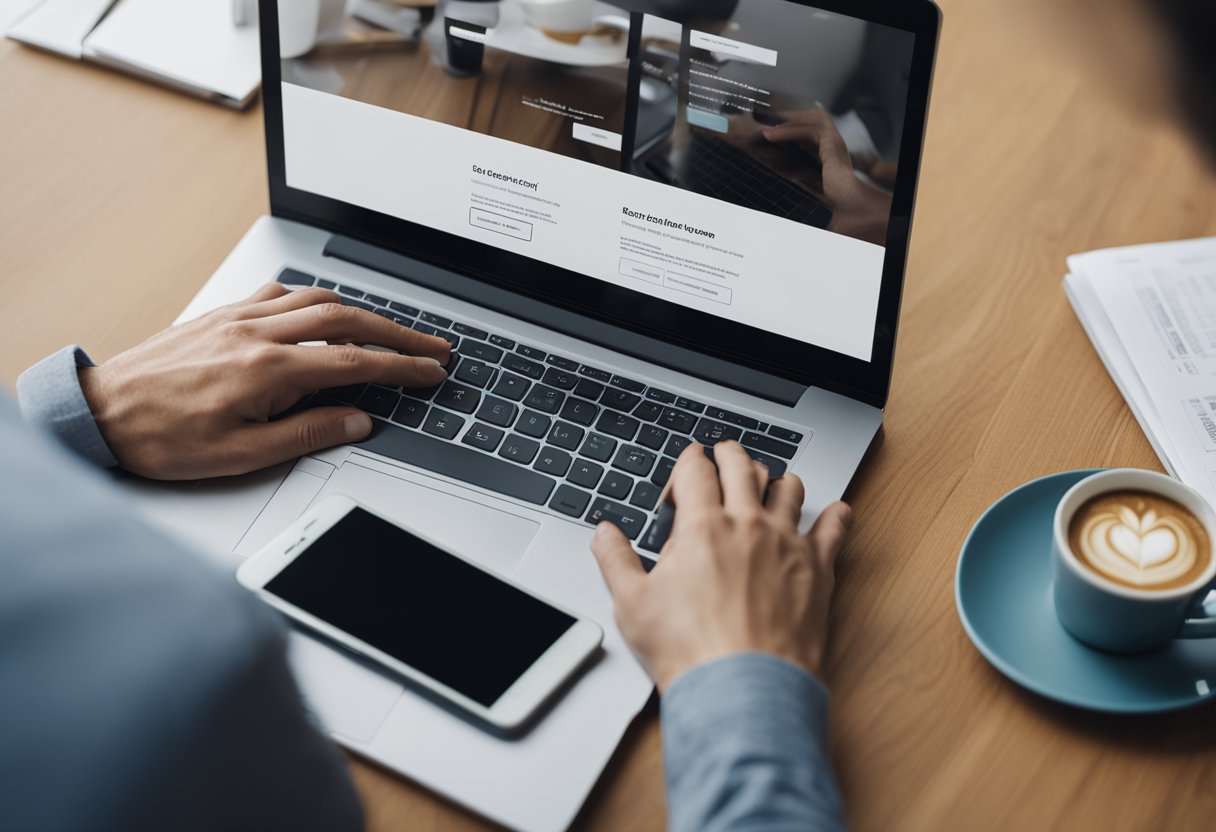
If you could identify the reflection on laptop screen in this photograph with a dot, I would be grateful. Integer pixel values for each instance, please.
(736, 158)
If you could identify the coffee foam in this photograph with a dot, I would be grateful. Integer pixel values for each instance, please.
(1140, 540)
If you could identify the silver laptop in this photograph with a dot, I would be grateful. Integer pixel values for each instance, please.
(617, 215)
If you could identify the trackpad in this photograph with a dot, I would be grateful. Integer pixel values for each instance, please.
(349, 698)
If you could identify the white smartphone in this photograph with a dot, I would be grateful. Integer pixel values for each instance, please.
(462, 636)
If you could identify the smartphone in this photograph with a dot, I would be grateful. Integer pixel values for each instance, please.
(464, 637)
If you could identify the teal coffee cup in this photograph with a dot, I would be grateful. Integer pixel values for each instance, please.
(1144, 574)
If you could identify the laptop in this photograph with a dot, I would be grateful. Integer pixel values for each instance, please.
(601, 320)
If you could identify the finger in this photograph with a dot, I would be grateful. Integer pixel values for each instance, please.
(288, 302)
(269, 443)
(785, 497)
(617, 560)
(265, 292)
(318, 368)
(828, 534)
(333, 322)
(741, 489)
(694, 484)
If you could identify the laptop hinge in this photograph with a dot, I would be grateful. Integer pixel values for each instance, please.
(744, 379)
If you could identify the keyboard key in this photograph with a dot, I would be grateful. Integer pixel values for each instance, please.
(652, 437)
(531, 352)
(709, 432)
(326, 284)
(436, 320)
(408, 323)
(483, 437)
(545, 399)
(384, 313)
(498, 412)
(592, 372)
(645, 495)
(585, 473)
(459, 462)
(425, 329)
(560, 378)
(349, 292)
(423, 393)
(689, 404)
(475, 373)
(647, 412)
(457, 397)
(523, 366)
(566, 435)
(662, 471)
(598, 447)
(589, 389)
(570, 501)
(499, 341)
(768, 445)
(563, 363)
(481, 350)
(656, 536)
(453, 340)
(519, 449)
(616, 485)
(577, 410)
(533, 424)
(404, 309)
(295, 277)
(628, 520)
(409, 412)
(471, 331)
(511, 386)
(676, 445)
(634, 460)
(376, 299)
(661, 396)
(619, 400)
(378, 401)
(732, 418)
(358, 304)
(618, 425)
(347, 395)
(788, 435)
(776, 467)
(442, 424)
(677, 420)
(552, 461)
(628, 384)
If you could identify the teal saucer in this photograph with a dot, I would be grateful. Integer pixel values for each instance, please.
(1003, 592)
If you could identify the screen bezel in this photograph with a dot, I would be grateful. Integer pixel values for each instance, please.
(518, 705)
(802, 363)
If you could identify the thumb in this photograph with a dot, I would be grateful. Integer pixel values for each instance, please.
(617, 560)
(311, 430)
(828, 534)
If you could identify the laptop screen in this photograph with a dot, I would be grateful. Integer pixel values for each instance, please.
(736, 158)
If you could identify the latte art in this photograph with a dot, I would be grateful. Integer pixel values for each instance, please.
(1140, 540)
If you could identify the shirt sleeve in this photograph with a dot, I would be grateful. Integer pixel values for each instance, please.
(745, 748)
(50, 396)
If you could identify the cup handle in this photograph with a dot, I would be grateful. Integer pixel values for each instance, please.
(1200, 623)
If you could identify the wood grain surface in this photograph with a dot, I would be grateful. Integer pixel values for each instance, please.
(119, 199)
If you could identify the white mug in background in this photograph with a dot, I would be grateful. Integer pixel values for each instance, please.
(561, 19)
(302, 22)
(1118, 618)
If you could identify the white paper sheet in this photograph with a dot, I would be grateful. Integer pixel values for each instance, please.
(13, 10)
(60, 25)
(1160, 343)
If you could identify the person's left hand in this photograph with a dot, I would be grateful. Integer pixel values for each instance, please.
(196, 400)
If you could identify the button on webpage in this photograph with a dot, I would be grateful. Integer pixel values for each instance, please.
(489, 221)
(696, 286)
(642, 271)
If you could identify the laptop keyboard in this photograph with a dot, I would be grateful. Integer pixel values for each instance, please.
(581, 441)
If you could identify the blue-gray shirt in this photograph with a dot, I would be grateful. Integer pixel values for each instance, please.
(139, 689)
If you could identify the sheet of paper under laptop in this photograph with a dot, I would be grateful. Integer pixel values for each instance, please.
(1150, 312)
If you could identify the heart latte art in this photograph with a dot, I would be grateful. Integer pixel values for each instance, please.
(1140, 540)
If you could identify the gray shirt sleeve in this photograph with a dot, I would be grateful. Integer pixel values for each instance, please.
(50, 396)
(745, 748)
(139, 688)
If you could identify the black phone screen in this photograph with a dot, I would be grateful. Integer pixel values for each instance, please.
(444, 618)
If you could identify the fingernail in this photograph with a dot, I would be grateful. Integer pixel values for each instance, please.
(356, 426)
(599, 532)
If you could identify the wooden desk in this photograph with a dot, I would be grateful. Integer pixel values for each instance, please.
(120, 199)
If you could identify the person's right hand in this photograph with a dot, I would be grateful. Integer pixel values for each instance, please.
(197, 399)
(735, 575)
(858, 210)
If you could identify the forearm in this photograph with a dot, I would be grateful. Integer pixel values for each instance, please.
(745, 748)
(51, 397)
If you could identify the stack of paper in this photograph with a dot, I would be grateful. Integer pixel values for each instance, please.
(1151, 314)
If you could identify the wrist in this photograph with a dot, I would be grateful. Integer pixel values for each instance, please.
(668, 673)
